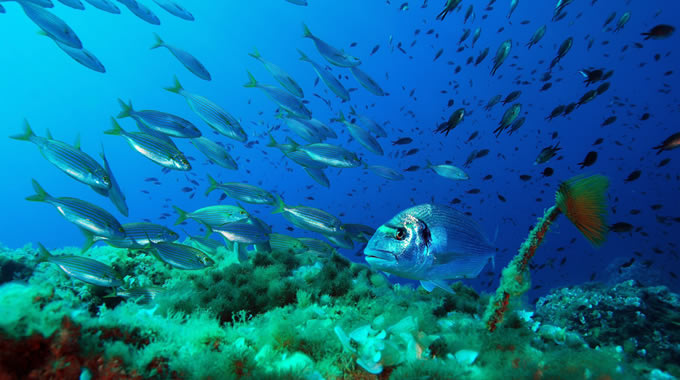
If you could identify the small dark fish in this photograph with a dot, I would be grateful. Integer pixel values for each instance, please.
(598, 141)
(375, 49)
(487, 177)
(439, 54)
(455, 201)
(402, 141)
(645, 116)
(473, 191)
(501, 198)
(621, 227)
(412, 168)
(664, 162)
(659, 32)
(608, 121)
(525, 177)
(590, 159)
(411, 152)
(187, 189)
(547, 172)
(635, 174)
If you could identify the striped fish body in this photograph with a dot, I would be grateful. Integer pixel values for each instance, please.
(318, 247)
(369, 124)
(246, 193)
(359, 232)
(305, 130)
(279, 242)
(213, 115)
(285, 80)
(51, 24)
(138, 235)
(74, 162)
(75, 4)
(189, 61)
(243, 232)
(215, 153)
(181, 256)
(310, 219)
(205, 243)
(367, 82)
(167, 124)
(319, 176)
(286, 101)
(105, 5)
(213, 216)
(141, 127)
(175, 9)
(89, 217)
(325, 130)
(303, 159)
(327, 77)
(342, 241)
(385, 172)
(141, 11)
(153, 148)
(82, 56)
(115, 194)
(331, 155)
(333, 55)
(364, 138)
(83, 268)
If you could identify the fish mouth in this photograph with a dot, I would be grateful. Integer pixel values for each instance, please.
(371, 253)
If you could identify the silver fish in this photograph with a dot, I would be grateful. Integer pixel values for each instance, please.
(448, 171)
(181, 256)
(71, 160)
(318, 175)
(385, 172)
(501, 54)
(189, 61)
(367, 82)
(105, 5)
(212, 114)
(331, 155)
(175, 9)
(368, 123)
(281, 97)
(284, 79)
(115, 194)
(213, 216)
(310, 219)
(153, 148)
(83, 268)
(243, 232)
(242, 192)
(361, 136)
(75, 4)
(215, 152)
(88, 217)
(82, 56)
(51, 24)
(141, 11)
(430, 243)
(333, 55)
(163, 122)
(137, 236)
(327, 77)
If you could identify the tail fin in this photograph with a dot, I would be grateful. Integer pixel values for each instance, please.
(352, 111)
(89, 240)
(272, 142)
(583, 201)
(176, 87)
(26, 135)
(341, 117)
(428, 164)
(255, 54)
(182, 215)
(251, 81)
(43, 253)
(116, 130)
(306, 32)
(647, 35)
(40, 193)
(280, 206)
(159, 42)
(213, 185)
(126, 109)
(41, 32)
(303, 56)
(76, 143)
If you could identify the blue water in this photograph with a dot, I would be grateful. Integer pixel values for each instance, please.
(40, 83)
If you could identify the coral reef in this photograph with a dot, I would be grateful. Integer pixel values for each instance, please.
(287, 315)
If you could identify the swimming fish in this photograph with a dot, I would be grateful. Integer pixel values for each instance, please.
(189, 61)
(69, 159)
(281, 97)
(501, 54)
(215, 152)
(163, 122)
(327, 77)
(212, 114)
(361, 136)
(242, 192)
(310, 218)
(153, 148)
(82, 56)
(448, 171)
(181, 256)
(88, 217)
(82, 268)
(430, 243)
(213, 216)
(333, 55)
(366, 81)
(115, 194)
(284, 79)
(51, 24)
(175, 9)
(105, 5)
(141, 11)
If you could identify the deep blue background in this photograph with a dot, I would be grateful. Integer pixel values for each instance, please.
(40, 83)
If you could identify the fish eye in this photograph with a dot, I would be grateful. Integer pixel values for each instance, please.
(121, 229)
(401, 234)
(242, 212)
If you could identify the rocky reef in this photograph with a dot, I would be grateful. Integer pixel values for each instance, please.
(299, 316)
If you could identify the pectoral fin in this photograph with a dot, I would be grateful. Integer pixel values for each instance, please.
(430, 285)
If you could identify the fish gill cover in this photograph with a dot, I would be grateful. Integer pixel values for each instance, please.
(274, 213)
